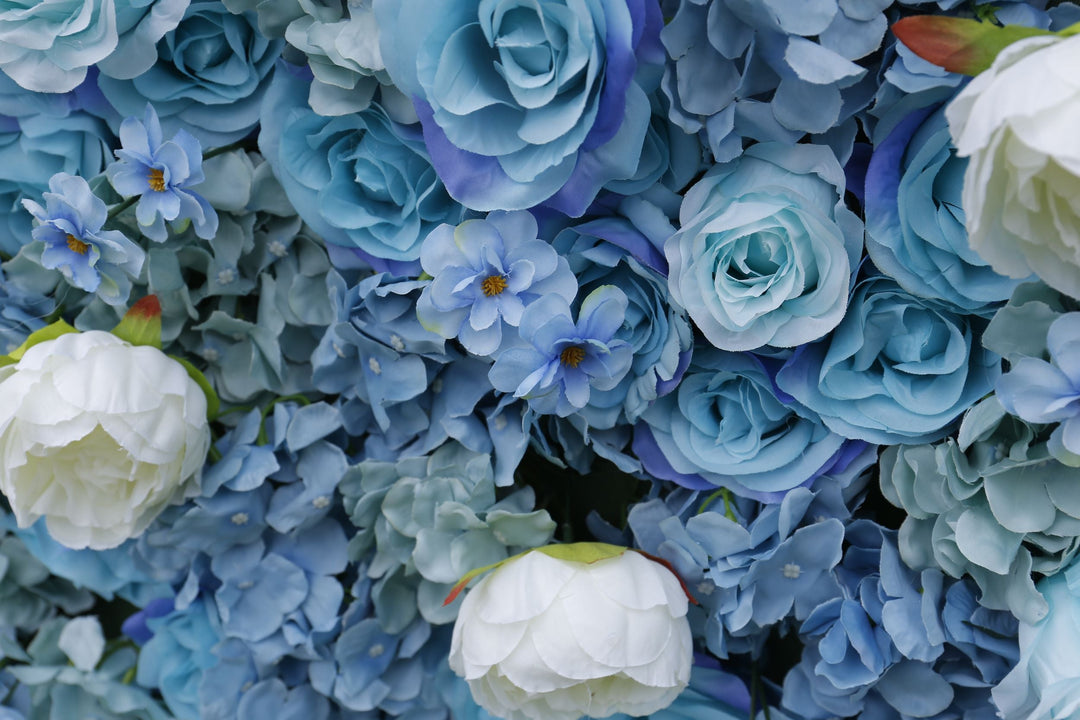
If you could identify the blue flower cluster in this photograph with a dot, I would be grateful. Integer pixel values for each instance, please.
(467, 278)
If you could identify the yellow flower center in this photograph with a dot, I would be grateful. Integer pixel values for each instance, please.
(493, 285)
(76, 245)
(572, 355)
(156, 178)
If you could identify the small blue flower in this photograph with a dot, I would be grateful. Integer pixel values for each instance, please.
(566, 360)
(161, 173)
(485, 273)
(70, 230)
(1047, 392)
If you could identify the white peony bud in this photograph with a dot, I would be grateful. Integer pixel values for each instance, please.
(550, 638)
(1017, 123)
(98, 436)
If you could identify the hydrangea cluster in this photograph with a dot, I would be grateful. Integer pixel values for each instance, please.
(767, 290)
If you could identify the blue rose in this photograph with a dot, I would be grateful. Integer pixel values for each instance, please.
(361, 181)
(48, 46)
(612, 251)
(914, 219)
(897, 369)
(40, 136)
(1045, 683)
(766, 248)
(209, 76)
(724, 426)
(525, 102)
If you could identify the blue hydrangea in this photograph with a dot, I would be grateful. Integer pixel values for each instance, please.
(423, 522)
(160, 173)
(178, 655)
(770, 71)
(992, 503)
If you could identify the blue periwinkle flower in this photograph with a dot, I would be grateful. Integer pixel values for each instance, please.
(361, 181)
(724, 426)
(161, 174)
(612, 251)
(1045, 683)
(914, 218)
(73, 241)
(485, 272)
(524, 102)
(1038, 391)
(897, 369)
(49, 45)
(209, 76)
(766, 248)
(564, 360)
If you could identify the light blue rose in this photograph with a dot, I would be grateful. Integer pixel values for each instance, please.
(41, 135)
(208, 77)
(48, 46)
(361, 181)
(766, 248)
(724, 426)
(525, 102)
(897, 369)
(1045, 684)
(914, 218)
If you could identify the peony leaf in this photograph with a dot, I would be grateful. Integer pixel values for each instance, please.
(49, 332)
(961, 45)
(213, 403)
(141, 324)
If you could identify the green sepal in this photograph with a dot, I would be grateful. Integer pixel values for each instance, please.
(213, 403)
(141, 325)
(963, 45)
(583, 552)
(49, 332)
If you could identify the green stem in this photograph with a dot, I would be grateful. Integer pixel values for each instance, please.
(264, 438)
(214, 152)
(724, 493)
(121, 207)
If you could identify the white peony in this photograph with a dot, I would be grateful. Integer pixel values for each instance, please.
(554, 639)
(1017, 122)
(98, 436)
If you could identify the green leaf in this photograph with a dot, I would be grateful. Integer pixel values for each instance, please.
(213, 403)
(962, 45)
(49, 332)
(141, 324)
